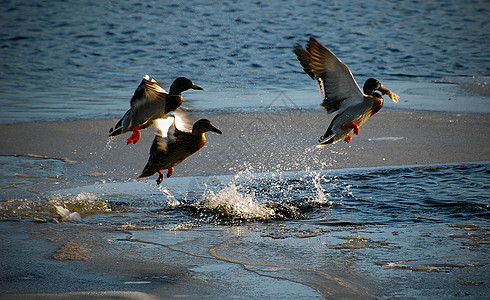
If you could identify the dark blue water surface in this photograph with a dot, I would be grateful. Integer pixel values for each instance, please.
(83, 59)
(384, 196)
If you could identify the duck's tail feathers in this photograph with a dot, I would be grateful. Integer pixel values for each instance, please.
(147, 172)
(329, 136)
(121, 125)
(113, 132)
(326, 140)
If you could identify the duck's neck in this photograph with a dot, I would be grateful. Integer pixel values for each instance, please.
(198, 132)
(173, 102)
(377, 103)
(200, 137)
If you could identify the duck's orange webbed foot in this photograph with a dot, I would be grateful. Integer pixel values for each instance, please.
(352, 125)
(170, 172)
(135, 137)
(348, 139)
(160, 177)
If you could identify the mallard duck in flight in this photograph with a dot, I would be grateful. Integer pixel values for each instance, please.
(173, 144)
(340, 92)
(150, 102)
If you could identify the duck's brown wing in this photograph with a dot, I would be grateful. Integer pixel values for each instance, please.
(336, 82)
(148, 102)
(157, 158)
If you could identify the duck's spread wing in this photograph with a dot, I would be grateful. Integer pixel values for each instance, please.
(182, 121)
(336, 82)
(172, 125)
(162, 126)
(148, 100)
(304, 60)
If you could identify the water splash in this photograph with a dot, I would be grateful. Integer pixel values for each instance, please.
(249, 196)
(230, 201)
(170, 198)
(108, 145)
(321, 195)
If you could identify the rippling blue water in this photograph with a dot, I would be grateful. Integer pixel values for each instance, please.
(83, 59)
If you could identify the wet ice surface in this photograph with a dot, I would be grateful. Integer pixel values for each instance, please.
(415, 231)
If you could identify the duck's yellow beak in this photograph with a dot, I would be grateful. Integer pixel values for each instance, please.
(392, 95)
(196, 87)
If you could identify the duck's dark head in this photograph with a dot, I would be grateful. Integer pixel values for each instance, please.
(371, 85)
(204, 125)
(183, 84)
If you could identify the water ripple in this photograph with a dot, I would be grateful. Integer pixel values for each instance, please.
(53, 45)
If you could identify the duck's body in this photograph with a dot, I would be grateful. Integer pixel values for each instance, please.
(348, 121)
(340, 92)
(149, 103)
(175, 145)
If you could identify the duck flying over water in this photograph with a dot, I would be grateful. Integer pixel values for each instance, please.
(150, 102)
(340, 92)
(173, 144)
